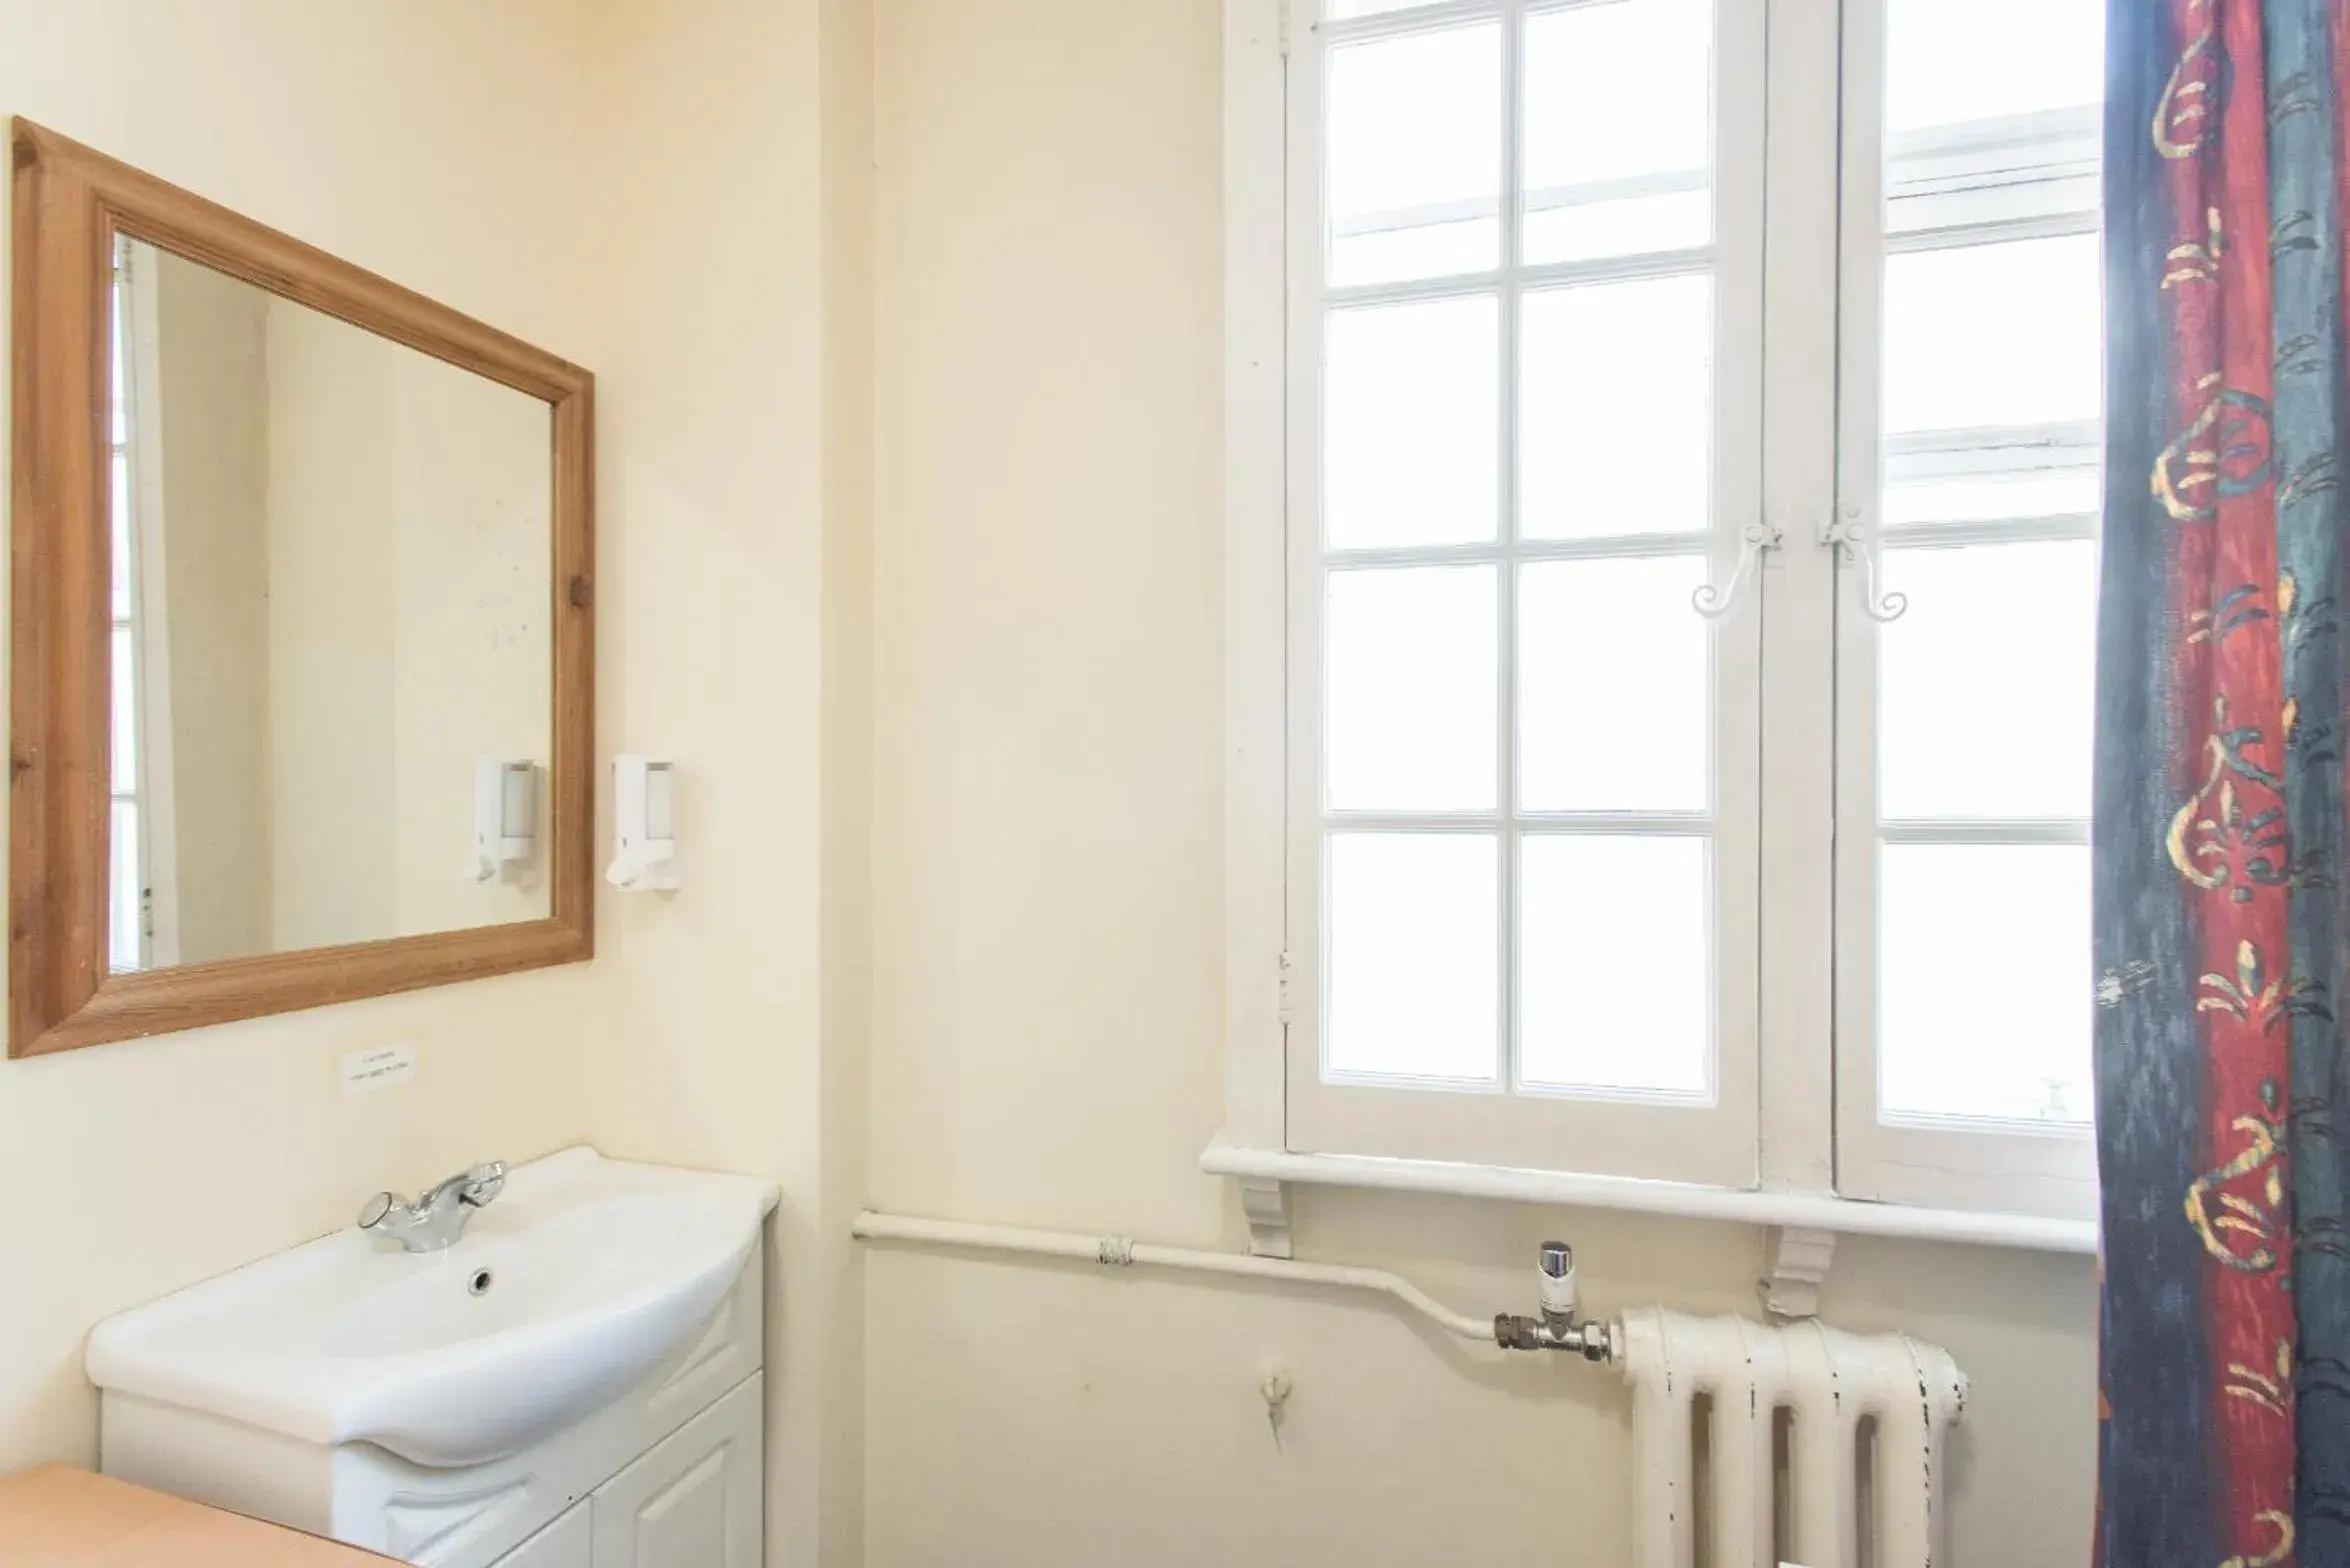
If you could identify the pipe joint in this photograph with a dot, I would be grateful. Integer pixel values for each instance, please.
(1561, 1325)
(1591, 1341)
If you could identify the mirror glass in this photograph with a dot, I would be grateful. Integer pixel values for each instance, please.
(332, 645)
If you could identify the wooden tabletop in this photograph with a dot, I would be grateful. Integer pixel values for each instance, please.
(56, 1517)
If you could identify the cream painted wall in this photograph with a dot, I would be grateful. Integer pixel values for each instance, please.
(533, 163)
(1038, 950)
(728, 213)
(352, 538)
(208, 347)
(674, 196)
(409, 583)
(836, 1290)
(471, 587)
(438, 142)
(334, 634)
(1047, 1004)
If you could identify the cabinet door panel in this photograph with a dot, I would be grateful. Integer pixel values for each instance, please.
(694, 1501)
(569, 1542)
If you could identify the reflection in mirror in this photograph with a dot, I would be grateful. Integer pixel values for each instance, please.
(331, 602)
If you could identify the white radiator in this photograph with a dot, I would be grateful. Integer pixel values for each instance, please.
(1859, 1468)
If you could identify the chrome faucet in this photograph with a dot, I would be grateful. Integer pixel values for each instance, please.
(437, 1219)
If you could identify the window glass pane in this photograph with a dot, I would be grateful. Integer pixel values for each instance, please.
(1984, 981)
(1985, 687)
(1995, 497)
(1992, 392)
(1616, 988)
(1616, 423)
(1412, 689)
(1414, 164)
(118, 358)
(118, 546)
(1947, 62)
(2004, 334)
(126, 718)
(124, 916)
(1411, 423)
(1619, 129)
(1414, 934)
(1340, 10)
(1614, 686)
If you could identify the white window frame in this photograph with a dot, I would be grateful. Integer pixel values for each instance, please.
(1787, 1170)
(151, 798)
(2007, 1166)
(1711, 1139)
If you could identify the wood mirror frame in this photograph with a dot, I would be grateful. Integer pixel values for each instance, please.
(69, 204)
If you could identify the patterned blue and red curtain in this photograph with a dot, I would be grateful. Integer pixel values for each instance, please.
(2220, 840)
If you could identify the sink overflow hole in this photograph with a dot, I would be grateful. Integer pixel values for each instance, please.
(479, 1285)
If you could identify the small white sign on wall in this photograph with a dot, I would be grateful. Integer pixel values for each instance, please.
(380, 1067)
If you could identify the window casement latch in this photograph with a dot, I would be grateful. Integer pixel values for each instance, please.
(1753, 540)
(1855, 544)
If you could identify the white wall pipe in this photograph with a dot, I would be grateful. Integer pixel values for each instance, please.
(1122, 1251)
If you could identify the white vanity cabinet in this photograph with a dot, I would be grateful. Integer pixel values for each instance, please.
(668, 1475)
(570, 1542)
(693, 1502)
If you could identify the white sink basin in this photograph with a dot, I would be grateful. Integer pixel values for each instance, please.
(598, 1271)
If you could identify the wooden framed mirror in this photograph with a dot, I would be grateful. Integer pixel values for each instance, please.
(301, 621)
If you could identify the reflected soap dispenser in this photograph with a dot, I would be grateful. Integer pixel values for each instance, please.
(644, 817)
(505, 816)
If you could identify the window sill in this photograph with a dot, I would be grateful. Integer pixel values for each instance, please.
(1789, 1210)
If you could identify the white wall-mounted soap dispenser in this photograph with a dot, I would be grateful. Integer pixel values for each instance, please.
(644, 818)
(505, 816)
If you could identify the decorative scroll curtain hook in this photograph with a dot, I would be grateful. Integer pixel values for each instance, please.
(1855, 544)
(1713, 603)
